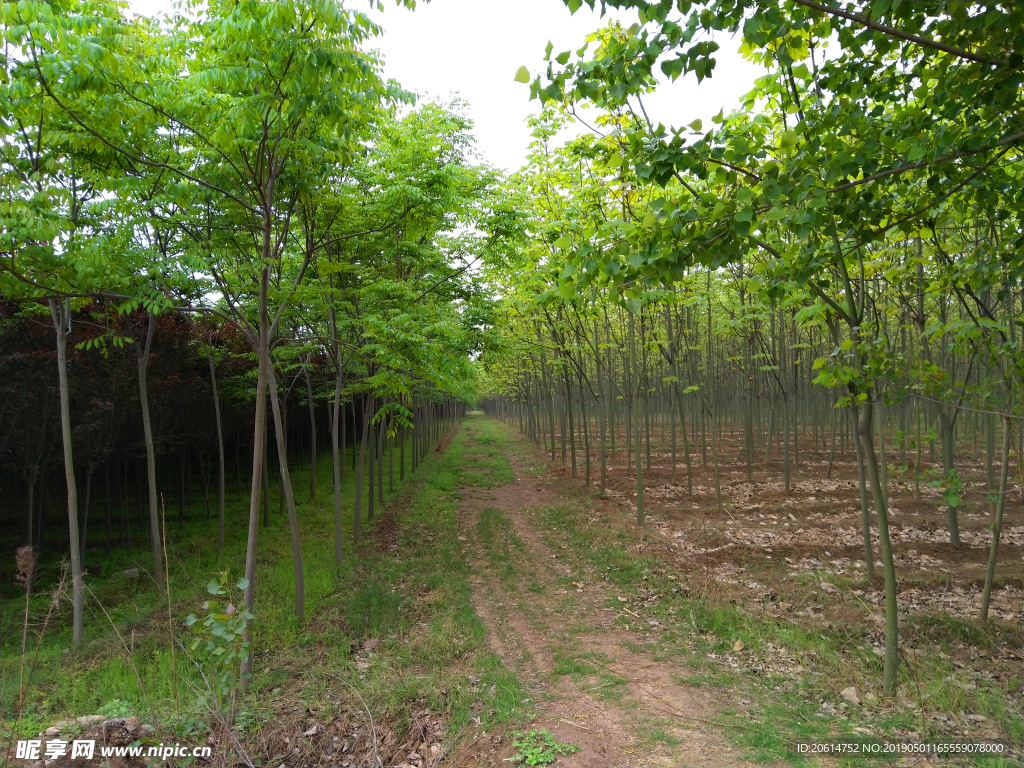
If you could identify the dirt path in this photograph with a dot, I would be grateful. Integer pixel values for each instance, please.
(547, 616)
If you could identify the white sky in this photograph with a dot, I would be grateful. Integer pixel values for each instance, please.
(472, 48)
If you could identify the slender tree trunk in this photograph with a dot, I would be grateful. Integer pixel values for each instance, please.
(865, 512)
(221, 472)
(357, 521)
(997, 522)
(154, 502)
(832, 451)
(286, 486)
(885, 548)
(371, 472)
(61, 314)
(337, 460)
(572, 424)
(635, 396)
(258, 444)
(381, 439)
(312, 435)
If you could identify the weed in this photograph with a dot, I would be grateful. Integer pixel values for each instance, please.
(539, 748)
(220, 646)
(117, 708)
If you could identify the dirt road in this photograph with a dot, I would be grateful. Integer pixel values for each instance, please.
(561, 626)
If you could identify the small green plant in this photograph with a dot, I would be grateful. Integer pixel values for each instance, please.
(539, 748)
(950, 484)
(220, 647)
(117, 708)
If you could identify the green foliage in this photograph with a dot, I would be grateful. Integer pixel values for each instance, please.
(949, 483)
(537, 748)
(116, 708)
(220, 646)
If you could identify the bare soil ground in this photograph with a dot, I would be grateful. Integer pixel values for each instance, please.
(762, 540)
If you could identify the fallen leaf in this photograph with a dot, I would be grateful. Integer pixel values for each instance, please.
(738, 645)
(850, 695)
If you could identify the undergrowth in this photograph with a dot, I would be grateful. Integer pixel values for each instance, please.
(404, 591)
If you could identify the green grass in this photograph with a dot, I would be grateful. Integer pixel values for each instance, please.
(413, 599)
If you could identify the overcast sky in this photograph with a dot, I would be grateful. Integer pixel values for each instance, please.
(472, 48)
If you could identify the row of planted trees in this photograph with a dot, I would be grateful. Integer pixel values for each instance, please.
(197, 414)
(238, 238)
(707, 357)
(839, 256)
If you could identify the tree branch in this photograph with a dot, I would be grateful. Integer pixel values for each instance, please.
(892, 32)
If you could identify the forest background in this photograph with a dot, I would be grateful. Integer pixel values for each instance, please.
(232, 247)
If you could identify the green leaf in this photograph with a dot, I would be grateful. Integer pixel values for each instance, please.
(564, 241)
(214, 588)
(916, 153)
(697, 124)
(242, 583)
(574, 5)
(789, 139)
(522, 75)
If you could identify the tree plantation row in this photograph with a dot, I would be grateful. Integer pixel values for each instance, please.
(227, 240)
(230, 246)
(839, 256)
(200, 417)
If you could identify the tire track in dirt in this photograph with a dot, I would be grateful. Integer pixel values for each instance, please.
(646, 718)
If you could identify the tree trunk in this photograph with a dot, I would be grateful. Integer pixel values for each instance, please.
(220, 455)
(635, 396)
(381, 439)
(336, 459)
(61, 314)
(258, 446)
(312, 435)
(997, 523)
(865, 512)
(357, 520)
(286, 487)
(147, 428)
(885, 548)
